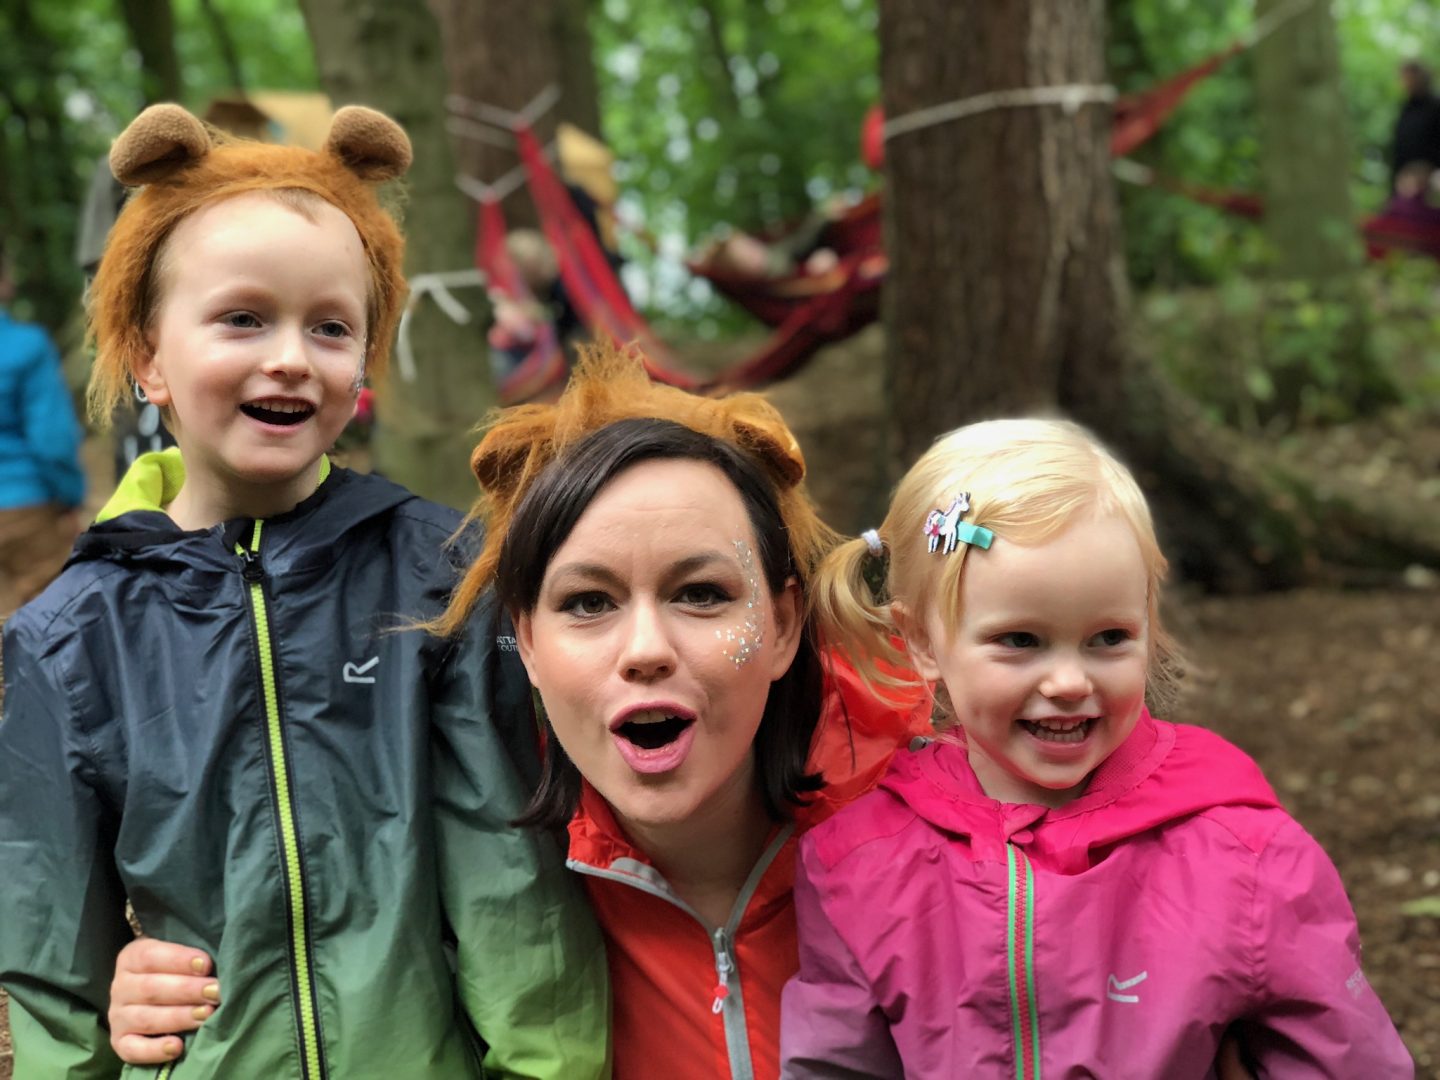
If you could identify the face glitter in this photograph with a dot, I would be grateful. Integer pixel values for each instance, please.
(743, 643)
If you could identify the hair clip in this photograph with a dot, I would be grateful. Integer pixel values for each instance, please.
(873, 542)
(944, 529)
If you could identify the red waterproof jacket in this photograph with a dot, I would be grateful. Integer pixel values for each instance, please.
(702, 1001)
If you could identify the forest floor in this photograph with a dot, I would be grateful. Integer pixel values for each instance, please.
(1335, 693)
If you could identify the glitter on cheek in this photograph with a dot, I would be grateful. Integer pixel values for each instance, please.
(743, 642)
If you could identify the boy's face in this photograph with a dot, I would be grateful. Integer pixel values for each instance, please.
(256, 342)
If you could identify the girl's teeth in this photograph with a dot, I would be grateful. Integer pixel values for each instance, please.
(1046, 732)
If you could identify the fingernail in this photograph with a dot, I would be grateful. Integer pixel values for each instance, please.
(211, 992)
(173, 1047)
(202, 1012)
(197, 965)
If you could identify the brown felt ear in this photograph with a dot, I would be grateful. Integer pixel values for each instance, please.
(158, 141)
(371, 145)
(498, 465)
(776, 447)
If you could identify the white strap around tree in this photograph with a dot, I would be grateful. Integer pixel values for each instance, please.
(1069, 97)
(437, 286)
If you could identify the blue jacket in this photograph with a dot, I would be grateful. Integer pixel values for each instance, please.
(232, 729)
(39, 436)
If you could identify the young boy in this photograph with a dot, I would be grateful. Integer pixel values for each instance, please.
(215, 711)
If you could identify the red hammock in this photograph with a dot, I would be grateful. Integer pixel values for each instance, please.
(603, 306)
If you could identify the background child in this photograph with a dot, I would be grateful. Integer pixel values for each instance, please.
(210, 712)
(1061, 881)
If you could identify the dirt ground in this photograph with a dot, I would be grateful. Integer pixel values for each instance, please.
(1334, 693)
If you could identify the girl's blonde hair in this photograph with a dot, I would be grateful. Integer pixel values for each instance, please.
(1027, 480)
(181, 166)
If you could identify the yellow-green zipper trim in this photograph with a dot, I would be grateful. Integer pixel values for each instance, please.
(289, 832)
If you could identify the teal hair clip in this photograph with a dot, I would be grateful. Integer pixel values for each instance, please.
(944, 529)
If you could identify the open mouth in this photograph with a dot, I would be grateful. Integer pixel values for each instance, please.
(279, 412)
(1068, 730)
(652, 734)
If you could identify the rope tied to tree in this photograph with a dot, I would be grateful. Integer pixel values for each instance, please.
(437, 286)
(1071, 97)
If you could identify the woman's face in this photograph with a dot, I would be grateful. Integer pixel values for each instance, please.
(655, 639)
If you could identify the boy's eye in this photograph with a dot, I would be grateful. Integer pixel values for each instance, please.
(586, 605)
(1018, 639)
(702, 595)
(1112, 637)
(242, 320)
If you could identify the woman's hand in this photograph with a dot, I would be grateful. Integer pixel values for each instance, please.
(159, 990)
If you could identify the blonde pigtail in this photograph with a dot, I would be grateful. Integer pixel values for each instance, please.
(853, 619)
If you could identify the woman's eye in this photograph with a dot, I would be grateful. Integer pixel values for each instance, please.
(587, 605)
(702, 595)
(1112, 637)
(1018, 639)
(242, 320)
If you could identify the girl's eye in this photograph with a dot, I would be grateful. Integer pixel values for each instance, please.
(1112, 637)
(242, 320)
(333, 329)
(1018, 639)
(586, 605)
(702, 595)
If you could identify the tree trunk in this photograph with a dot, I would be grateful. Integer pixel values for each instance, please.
(1006, 293)
(1310, 224)
(505, 53)
(152, 31)
(389, 56)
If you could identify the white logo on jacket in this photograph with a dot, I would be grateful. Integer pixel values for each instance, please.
(1115, 985)
(355, 673)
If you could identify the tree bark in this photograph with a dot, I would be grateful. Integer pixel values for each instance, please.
(152, 31)
(389, 56)
(505, 53)
(1006, 294)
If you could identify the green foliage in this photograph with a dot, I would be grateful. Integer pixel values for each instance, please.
(1266, 356)
(70, 81)
(738, 112)
(1212, 139)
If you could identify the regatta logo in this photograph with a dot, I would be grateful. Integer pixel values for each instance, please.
(1115, 986)
(356, 673)
(506, 643)
(1356, 983)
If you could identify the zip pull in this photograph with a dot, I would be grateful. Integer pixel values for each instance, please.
(252, 571)
(723, 967)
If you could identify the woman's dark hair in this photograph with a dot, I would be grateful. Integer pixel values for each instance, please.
(542, 523)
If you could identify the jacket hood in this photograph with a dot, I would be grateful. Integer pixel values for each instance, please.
(1143, 785)
(133, 526)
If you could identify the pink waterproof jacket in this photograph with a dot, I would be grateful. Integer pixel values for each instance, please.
(944, 934)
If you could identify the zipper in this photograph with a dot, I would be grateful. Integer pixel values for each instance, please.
(302, 967)
(1020, 960)
(729, 1001)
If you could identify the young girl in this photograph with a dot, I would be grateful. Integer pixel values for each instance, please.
(211, 712)
(1061, 885)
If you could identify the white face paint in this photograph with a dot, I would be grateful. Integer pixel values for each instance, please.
(743, 642)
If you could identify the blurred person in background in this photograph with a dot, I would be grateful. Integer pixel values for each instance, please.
(1416, 135)
(41, 482)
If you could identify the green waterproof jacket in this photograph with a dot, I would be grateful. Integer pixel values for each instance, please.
(233, 729)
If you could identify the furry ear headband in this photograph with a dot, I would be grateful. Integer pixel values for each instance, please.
(166, 138)
(181, 166)
(609, 385)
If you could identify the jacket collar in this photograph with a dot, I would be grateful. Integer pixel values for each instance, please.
(1160, 773)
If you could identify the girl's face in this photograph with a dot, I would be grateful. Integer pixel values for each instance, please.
(256, 342)
(654, 642)
(1046, 668)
